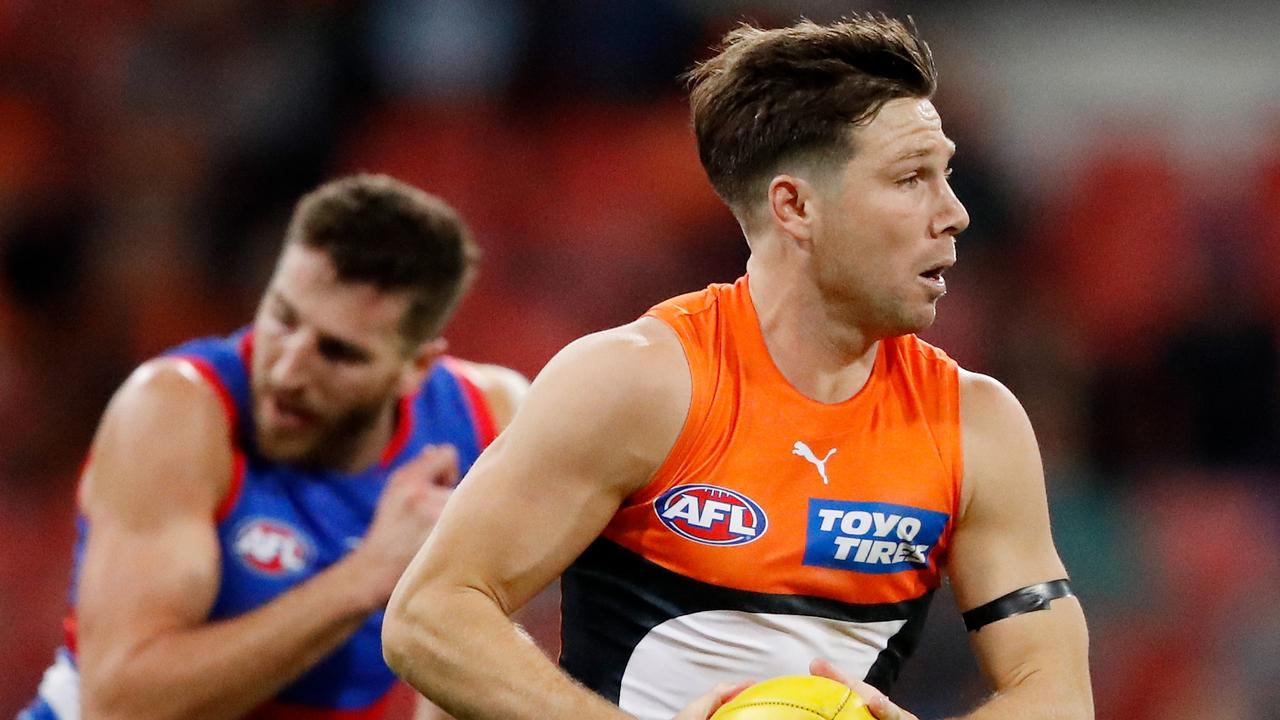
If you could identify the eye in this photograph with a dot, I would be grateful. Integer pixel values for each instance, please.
(282, 313)
(341, 352)
(911, 180)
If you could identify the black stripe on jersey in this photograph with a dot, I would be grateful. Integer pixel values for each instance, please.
(884, 671)
(611, 598)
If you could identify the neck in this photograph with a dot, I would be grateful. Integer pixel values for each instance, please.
(374, 444)
(353, 449)
(822, 355)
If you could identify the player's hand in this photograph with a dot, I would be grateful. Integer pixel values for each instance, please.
(410, 504)
(705, 706)
(877, 702)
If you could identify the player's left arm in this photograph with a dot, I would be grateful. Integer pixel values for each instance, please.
(502, 387)
(1037, 660)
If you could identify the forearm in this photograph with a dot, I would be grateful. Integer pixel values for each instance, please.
(226, 668)
(460, 650)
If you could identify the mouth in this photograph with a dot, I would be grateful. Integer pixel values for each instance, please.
(933, 277)
(287, 415)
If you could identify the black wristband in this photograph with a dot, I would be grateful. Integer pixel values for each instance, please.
(1023, 600)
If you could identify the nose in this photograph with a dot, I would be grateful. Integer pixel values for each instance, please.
(290, 367)
(952, 218)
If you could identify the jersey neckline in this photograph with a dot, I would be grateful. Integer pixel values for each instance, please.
(758, 345)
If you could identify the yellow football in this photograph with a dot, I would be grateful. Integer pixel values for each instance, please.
(795, 697)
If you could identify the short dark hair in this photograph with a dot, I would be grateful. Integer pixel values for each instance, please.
(379, 230)
(773, 95)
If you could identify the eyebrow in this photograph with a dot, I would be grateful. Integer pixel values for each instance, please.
(923, 150)
(324, 337)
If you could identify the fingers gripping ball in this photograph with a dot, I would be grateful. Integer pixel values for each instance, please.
(795, 697)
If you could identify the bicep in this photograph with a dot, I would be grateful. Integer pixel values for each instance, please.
(136, 583)
(151, 562)
(1003, 540)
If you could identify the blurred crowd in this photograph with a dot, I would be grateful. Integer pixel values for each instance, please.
(150, 153)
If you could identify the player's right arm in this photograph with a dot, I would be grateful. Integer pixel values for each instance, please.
(161, 463)
(596, 424)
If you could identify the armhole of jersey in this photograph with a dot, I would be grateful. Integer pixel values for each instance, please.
(233, 491)
(404, 428)
(957, 439)
(699, 407)
(935, 374)
(236, 481)
(947, 432)
(481, 416)
(70, 631)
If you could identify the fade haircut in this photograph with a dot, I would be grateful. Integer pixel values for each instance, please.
(386, 233)
(773, 96)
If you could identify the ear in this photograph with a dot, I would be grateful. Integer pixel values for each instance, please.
(419, 364)
(792, 207)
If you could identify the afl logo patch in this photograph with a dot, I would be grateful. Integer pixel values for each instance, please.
(711, 515)
(271, 547)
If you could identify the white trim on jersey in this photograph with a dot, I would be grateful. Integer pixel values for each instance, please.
(686, 656)
(60, 688)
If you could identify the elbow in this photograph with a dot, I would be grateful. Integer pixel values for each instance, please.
(114, 686)
(1062, 697)
(104, 696)
(104, 693)
(409, 637)
(396, 649)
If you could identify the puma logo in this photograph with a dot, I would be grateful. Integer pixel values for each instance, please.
(803, 451)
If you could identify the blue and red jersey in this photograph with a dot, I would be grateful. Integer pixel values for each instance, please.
(279, 526)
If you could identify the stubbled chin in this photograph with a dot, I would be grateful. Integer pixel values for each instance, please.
(918, 321)
(284, 447)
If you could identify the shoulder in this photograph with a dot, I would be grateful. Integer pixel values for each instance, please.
(615, 400)
(999, 444)
(503, 388)
(164, 436)
(638, 357)
(167, 388)
(985, 402)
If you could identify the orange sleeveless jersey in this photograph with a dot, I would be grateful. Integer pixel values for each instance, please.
(897, 441)
(778, 529)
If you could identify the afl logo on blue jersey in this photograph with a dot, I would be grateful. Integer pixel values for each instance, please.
(711, 515)
(271, 547)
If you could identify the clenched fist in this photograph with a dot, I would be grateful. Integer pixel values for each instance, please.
(406, 512)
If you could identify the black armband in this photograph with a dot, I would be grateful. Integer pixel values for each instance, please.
(1023, 600)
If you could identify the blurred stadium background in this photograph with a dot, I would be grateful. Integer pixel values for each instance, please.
(1121, 164)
